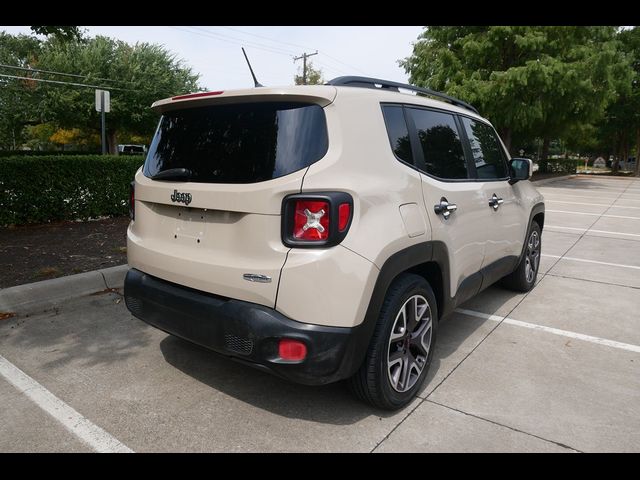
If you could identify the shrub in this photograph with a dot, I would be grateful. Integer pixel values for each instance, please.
(36, 189)
(561, 165)
(45, 153)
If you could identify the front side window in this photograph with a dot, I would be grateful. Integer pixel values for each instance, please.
(441, 145)
(487, 152)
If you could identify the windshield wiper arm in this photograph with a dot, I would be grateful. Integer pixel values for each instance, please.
(173, 174)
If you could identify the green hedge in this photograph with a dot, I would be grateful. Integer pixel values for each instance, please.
(558, 165)
(45, 153)
(41, 189)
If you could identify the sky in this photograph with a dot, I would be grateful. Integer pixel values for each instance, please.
(214, 52)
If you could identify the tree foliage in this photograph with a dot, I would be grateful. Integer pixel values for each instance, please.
(141, 73)
(314, 76)
(530, 81)
(136, 75)
(64, 33)
(17, 98)
(619, 130)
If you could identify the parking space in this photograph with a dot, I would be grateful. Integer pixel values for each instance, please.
(557, 369)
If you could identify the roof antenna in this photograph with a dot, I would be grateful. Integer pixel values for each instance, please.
(255, 80)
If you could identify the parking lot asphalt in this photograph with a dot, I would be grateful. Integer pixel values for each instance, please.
(554, 370)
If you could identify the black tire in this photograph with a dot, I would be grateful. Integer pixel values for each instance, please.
(373, 382)
(522, 279)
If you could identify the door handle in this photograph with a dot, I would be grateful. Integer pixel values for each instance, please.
(495, 202)
(445, 208)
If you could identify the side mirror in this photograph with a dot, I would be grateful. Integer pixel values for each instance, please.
(521, 169)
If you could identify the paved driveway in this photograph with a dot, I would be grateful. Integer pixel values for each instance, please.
(557, 369)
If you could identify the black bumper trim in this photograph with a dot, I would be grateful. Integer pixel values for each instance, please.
(244, 330)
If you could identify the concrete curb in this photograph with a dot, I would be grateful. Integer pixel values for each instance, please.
(48, 294)
(552, 179)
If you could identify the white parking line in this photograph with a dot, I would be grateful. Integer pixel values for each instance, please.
(591, 261)
(592, 231)
(81, 427)
(594, 214)
(592, 204)
(555, 331)
(594, 192)
(612, 199)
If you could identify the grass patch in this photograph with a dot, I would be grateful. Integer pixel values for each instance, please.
(48, 272)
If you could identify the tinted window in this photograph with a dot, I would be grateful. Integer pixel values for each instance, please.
(487, 152)
(441, 144)
(240, 143)
(398, 133)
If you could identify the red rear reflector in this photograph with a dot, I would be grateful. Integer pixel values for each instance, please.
(196, 95)
(311, 220)
(344, 212)
(294, 350)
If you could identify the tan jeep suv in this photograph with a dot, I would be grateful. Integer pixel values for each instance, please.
(320, 233)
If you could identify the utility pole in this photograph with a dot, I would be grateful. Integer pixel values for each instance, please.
(304, 64)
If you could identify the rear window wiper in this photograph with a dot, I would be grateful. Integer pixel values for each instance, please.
(173, 174)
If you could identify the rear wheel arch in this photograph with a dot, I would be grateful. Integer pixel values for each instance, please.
(427, 259)
(432, 273)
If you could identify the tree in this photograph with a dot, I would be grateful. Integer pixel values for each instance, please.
(622, 123)
(530, 81)
(314, 76)
(63, 33)
(140, 74)
(18, 100)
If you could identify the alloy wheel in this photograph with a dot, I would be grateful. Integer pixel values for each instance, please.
(409, 343)
(532, 256)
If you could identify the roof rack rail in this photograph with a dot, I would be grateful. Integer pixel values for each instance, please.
(367, 82)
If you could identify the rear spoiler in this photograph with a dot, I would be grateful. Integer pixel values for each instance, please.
(322, 95)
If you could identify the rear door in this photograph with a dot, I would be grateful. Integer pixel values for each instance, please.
(208, 198)
(453, 200)
(504, 225)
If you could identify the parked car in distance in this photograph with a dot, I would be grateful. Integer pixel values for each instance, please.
(132, 149)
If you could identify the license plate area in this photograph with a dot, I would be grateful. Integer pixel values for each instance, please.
(190, 224)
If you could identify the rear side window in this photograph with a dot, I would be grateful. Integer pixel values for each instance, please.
(488, 155)
(441, 145)
(240, 143)
(398, 132)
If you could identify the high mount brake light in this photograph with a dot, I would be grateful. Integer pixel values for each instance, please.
(197, 95)
(316, 220)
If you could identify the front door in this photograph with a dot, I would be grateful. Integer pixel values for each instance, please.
(504, 225)
(453, 200)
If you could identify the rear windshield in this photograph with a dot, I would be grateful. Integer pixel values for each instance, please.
(239, 143)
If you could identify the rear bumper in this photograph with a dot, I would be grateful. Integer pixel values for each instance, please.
(245, 331)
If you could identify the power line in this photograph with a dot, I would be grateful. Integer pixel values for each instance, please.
(270, 39)
(28, 69)
(345, 64)
(331, 67)
(244, 41)
(234, 42)
(299, 46)
(64, 83)
(272, 49)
